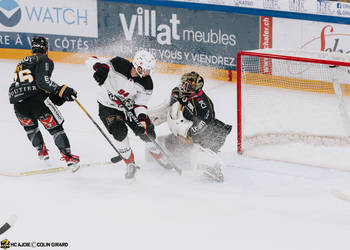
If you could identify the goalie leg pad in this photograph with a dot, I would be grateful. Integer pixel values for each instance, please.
(207, 162)
(158, 114)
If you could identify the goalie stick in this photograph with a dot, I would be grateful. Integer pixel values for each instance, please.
(8, 224)
(134, 118)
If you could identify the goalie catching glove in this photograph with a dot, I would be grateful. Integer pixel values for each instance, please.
(178, 125)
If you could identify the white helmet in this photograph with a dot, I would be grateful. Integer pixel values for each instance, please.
(143, 62)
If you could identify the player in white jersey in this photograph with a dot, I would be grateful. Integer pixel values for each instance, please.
(130, 82)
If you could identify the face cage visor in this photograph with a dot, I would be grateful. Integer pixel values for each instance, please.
(188, 86)
(142, 72)
(38, 48)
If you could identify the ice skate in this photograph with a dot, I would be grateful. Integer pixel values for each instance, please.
(72, 161)
(214, 173)
(43, 153)
(131, 170)
(160, 159)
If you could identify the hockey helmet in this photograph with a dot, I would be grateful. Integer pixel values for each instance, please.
(143, 62)
(191, 83)
(39, 45)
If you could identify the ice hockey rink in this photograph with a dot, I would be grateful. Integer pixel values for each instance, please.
(262, 204)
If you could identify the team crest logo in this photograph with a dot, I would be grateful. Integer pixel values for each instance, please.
(5, 244)
(110, 119)
(10, 13)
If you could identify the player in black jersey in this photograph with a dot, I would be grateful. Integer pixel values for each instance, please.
(199, 124)
(130, 82)
(35, 96)
(192, 121)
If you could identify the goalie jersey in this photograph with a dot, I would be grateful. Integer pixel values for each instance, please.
(206, 130)
(199, 109)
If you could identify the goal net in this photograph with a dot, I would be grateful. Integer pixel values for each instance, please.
(294, 106)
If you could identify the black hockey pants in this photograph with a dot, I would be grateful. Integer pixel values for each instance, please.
(116, 123)
(40, 108)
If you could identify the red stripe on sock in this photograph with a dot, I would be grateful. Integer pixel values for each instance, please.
(156, 156)
(131, 159)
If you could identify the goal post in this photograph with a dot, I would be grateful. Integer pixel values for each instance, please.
(292, 97)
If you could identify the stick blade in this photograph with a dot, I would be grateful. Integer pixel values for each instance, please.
(9, 223)
(340, 195)
(116, 159)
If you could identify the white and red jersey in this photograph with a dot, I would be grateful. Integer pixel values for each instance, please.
(120, 83)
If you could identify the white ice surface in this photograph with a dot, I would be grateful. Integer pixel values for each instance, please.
(261, 205)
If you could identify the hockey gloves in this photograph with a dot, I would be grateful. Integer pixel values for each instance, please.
(177, 124)
(67, 93)
(145, 125)
(101, 72)
(58, 101)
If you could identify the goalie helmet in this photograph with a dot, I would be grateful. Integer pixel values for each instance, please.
(191, 83)
(143, 62)
(39, 45)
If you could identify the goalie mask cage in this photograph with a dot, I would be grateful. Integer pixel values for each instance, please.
(293, 106)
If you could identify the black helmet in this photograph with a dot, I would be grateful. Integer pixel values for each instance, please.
(191, 83)
(39, 45)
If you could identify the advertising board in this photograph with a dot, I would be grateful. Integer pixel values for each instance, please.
(69, 25)
(308, 35)
(190, 37)
(317, 7)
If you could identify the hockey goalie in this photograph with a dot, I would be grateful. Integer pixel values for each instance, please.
(196, 133)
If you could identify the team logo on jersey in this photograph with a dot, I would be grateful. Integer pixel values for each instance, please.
(25, 122)
(110, 119)
(10, 13)
(48, 122)
(202, 103)
(190, 106)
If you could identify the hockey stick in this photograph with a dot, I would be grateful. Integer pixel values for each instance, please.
(114, 159)
(52, 170)
(134, 118)
(340, 195)
(9, 223)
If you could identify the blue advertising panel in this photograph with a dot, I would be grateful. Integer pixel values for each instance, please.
(175, 35)
(68, 25)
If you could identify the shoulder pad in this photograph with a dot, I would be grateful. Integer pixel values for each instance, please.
(30, 59)
(146, 82)
(121, 65)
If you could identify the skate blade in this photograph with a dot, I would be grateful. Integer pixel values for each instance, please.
(167, 166)
(214, 177)
(130, 180)
(47, 162)
(74, 167)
